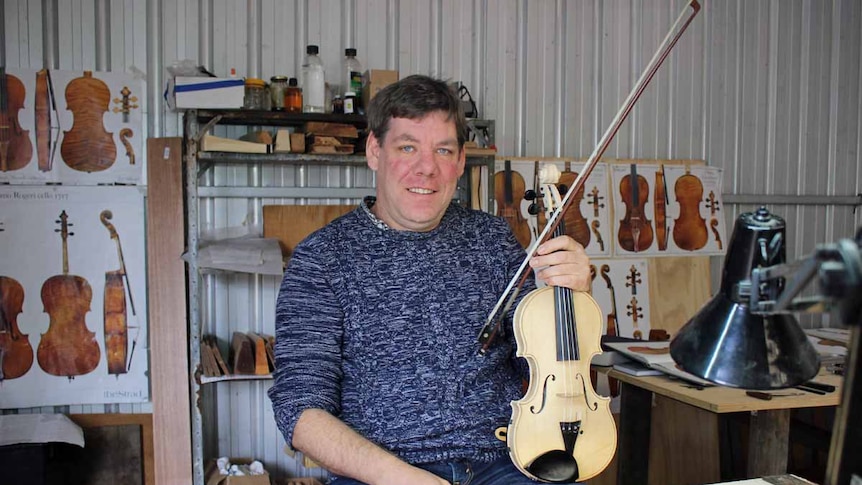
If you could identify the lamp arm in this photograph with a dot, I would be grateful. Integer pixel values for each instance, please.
(838, 268)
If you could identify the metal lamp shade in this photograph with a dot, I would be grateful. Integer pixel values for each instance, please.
(725, 343)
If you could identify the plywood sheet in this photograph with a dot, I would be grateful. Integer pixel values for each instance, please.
(678, 288)
(290, 224)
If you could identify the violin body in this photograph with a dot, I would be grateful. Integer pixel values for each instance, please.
(689, 230)
(561, 430)
(87, 146)
(576, 224)
(116, 328)
(68, 348)
(635, 232)
(16, 354)
(16, 150)
(506, 184)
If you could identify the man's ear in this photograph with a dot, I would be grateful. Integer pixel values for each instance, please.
(372, 151)
(462, 161)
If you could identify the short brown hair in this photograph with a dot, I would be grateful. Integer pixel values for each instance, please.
(413, 98)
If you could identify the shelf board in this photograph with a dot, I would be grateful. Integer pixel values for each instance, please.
(275, 118)
(282, 157)
(235, 377)
(474, 157)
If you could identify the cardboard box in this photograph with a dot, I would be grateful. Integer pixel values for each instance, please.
(205, 92)
(373, 80)
(212, 476)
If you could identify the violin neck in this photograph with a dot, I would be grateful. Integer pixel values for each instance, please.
(65, 257)
(564, 311)
(120, 256)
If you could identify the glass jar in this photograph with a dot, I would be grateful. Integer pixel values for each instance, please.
(337, 104)
(293, 97)
(255, 94)
(277, 89)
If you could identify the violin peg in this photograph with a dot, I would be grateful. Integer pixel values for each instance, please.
(533, 209)
(530, 194)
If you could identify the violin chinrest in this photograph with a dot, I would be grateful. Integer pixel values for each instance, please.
(555, 466)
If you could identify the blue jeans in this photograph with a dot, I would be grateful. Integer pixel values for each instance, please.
(500, 472)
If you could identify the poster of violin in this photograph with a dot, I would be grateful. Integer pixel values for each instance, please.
(522, 202)
(621, 288)
(72, 296)
(71, 127)
(671, 210)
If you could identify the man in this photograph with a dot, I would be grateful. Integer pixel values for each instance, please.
(378, 376)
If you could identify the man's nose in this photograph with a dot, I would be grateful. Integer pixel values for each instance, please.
(426, 164)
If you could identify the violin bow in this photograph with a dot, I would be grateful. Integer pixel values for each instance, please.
(495, 319)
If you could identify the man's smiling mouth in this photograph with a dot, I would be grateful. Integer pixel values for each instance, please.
(417, 190)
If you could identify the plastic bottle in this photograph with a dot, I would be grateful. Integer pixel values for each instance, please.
(313, 84)
(351, 73)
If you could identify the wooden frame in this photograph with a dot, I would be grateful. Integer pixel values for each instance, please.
(144, 420)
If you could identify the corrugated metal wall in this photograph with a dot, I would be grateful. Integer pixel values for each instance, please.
(768, 90)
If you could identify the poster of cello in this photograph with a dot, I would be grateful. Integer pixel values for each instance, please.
(71, 127)
(72, 296)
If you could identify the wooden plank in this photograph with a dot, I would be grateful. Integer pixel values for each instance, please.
(167, 312)
(768, 442)
(331, 129)
(290, 224)
(683, 444)
(144, 421)
(719, 399)
(634, 435)
(261, 360)
(679, 287)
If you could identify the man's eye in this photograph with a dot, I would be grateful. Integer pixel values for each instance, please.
(444, 151)
(408, 149)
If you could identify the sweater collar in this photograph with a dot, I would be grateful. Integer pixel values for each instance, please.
(369, 201)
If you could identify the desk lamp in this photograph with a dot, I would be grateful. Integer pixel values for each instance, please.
(745, 336)
(725, 342)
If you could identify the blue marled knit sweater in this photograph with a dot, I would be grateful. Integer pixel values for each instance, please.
(378, 327)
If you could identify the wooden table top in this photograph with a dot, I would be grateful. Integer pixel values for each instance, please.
(720, 399)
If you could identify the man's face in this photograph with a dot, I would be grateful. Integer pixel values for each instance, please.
(418, 166)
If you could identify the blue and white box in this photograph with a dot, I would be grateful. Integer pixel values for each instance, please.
(205, 92)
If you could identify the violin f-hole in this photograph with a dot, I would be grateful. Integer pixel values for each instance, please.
(544, 394)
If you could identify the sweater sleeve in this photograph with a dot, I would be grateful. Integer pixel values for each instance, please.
(309, 332)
